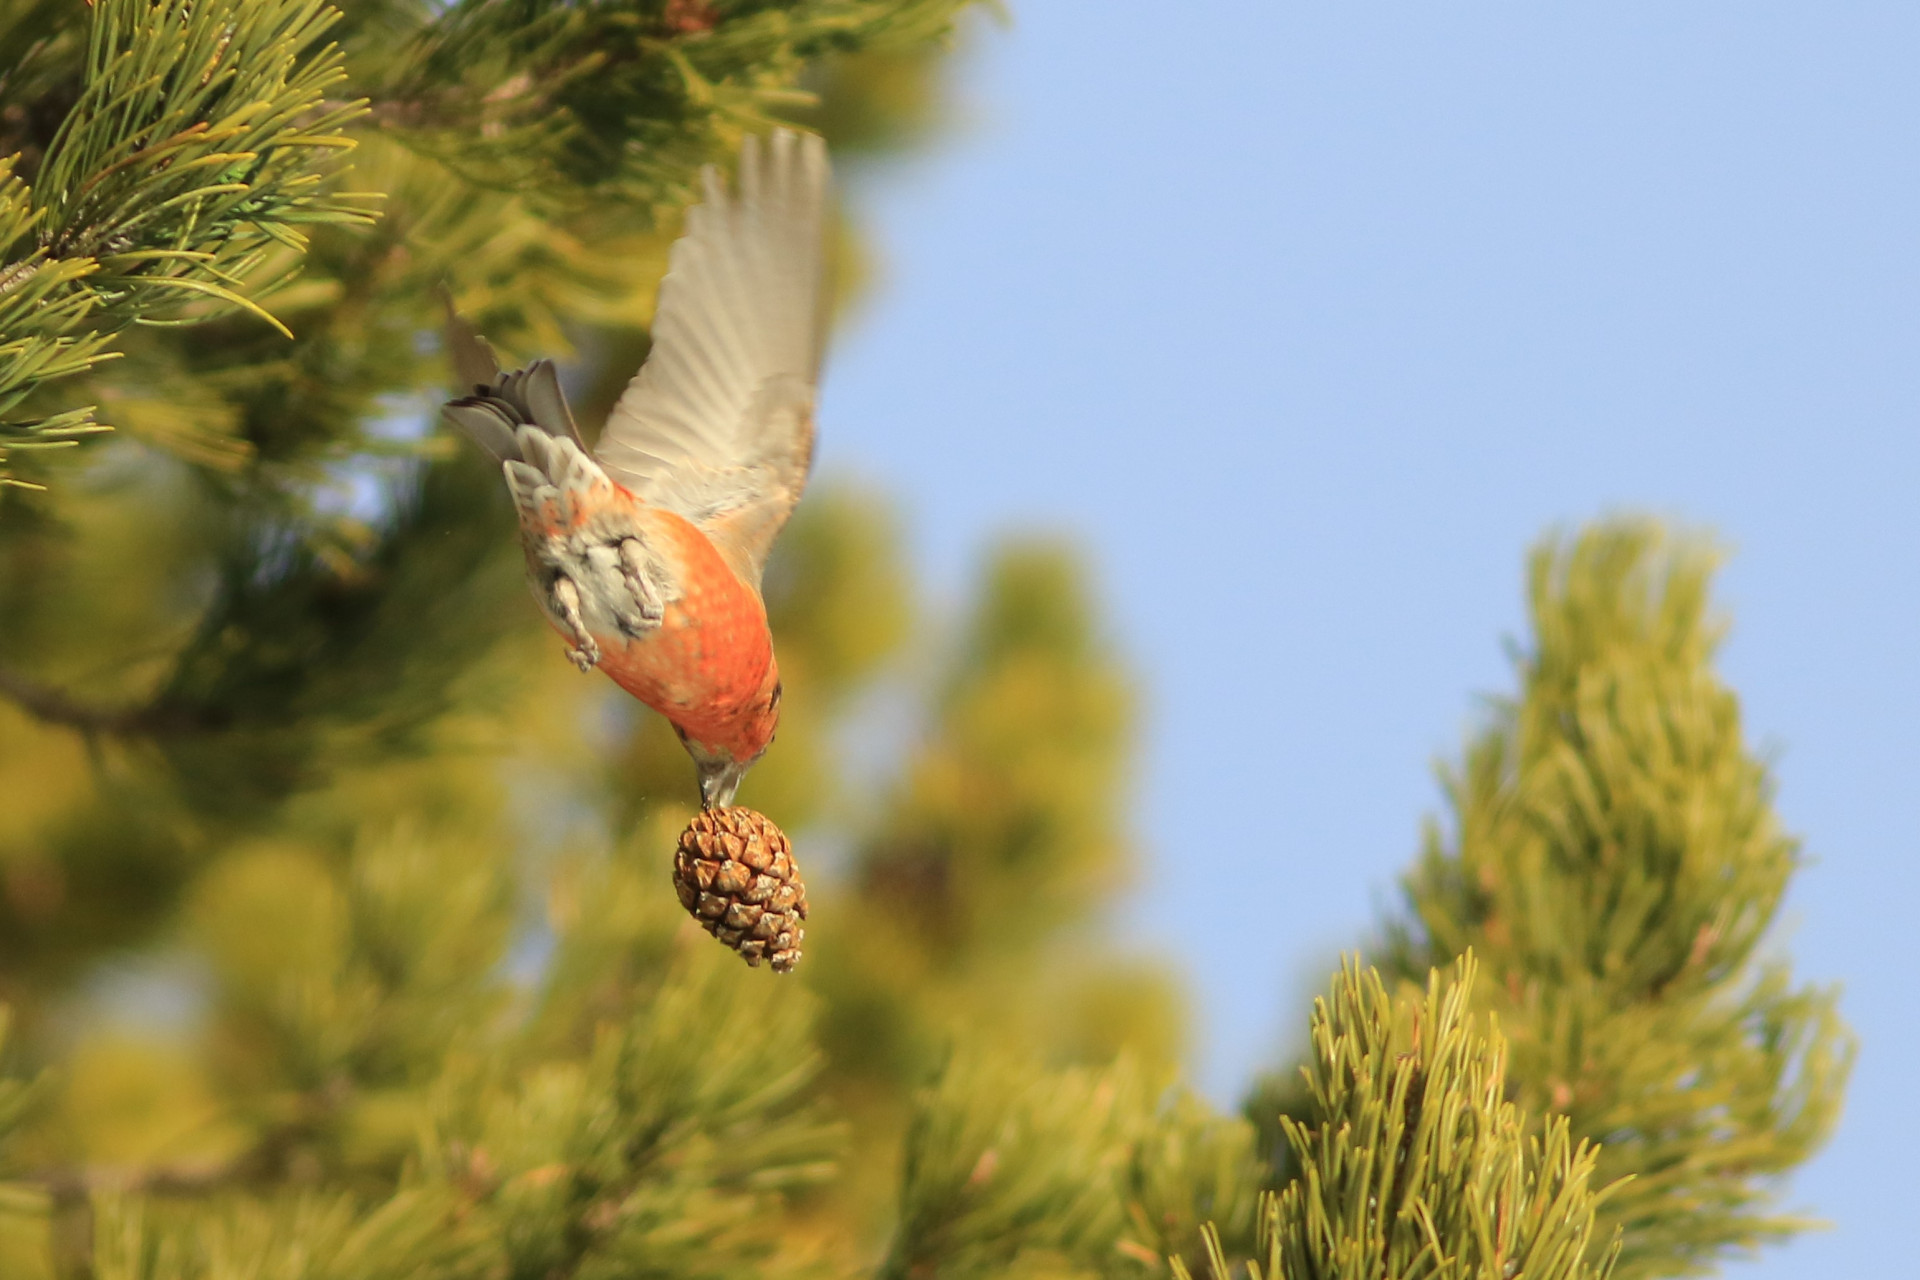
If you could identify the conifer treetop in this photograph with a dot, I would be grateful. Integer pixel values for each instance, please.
(1614, 859)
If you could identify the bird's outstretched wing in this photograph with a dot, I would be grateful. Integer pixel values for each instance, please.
(718, 424)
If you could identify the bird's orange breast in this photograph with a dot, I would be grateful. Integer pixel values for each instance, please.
(711, 656)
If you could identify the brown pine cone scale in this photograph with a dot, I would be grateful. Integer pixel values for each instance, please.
(734, 871)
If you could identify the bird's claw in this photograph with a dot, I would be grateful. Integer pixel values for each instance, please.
(639, 571)
(584, 650)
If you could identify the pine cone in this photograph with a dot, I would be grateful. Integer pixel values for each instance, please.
(734, 872)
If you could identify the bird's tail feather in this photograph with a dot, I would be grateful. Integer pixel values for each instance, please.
(529, 397)
(474, 363)
(496, 405)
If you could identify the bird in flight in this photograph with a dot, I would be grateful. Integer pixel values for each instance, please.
(646, 552)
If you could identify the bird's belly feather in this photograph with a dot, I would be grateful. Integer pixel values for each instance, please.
(708, 652)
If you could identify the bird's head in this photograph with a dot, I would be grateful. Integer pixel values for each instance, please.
(724, 749)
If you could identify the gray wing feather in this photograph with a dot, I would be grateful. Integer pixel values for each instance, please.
(718, 424)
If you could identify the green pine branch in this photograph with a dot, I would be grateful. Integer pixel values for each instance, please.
(404, 1108)
(620, 103)
(1012, 1169)
(1615, 861)
(1413, 1163)
(176, 189)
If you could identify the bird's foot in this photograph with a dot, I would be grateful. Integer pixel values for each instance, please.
(640, 573)
(584, 650)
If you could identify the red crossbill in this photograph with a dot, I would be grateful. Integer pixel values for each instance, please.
(646, 552)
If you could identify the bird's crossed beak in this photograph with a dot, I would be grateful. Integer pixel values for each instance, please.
(719, 778)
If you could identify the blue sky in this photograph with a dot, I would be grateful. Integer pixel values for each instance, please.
(1307, 320)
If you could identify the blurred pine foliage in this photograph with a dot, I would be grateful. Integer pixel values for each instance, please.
(335, 930)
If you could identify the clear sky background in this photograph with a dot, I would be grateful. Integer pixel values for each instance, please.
(1306, 320)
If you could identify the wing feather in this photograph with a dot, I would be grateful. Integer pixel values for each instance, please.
(718, 423)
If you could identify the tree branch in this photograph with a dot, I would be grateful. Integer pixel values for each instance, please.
(54, 706)
(77, 1186)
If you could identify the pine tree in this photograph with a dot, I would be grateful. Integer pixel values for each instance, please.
(284, 748)
(1615, 861)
